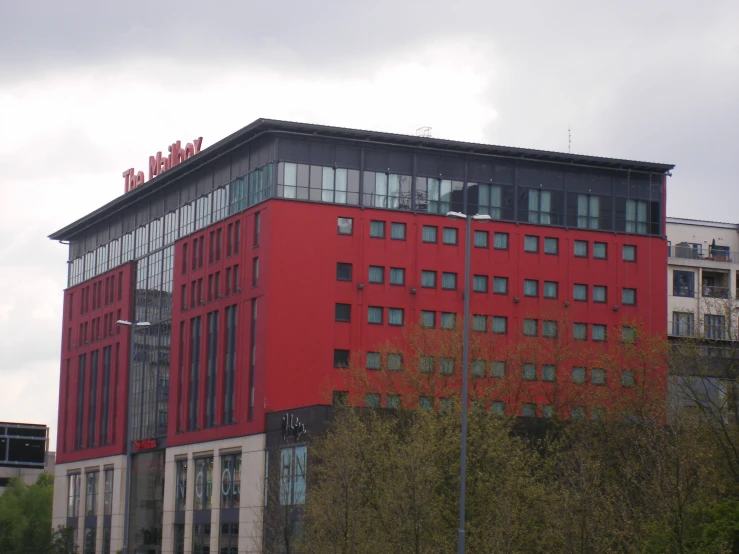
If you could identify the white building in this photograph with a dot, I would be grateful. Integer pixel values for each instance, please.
(702, 278)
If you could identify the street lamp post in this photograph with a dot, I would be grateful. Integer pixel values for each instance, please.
(126, 500)
(465, 369)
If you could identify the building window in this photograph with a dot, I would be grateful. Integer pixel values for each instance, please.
(581, 248)
(203, 497)
(446, 366)
(429, 233)
(425, 403)
(346, 226)
(547, 411)
(530, 244)
(683, 283)
(580, 331)
(395, 316)
(489, 200)
(428, 319)
(529, 372)
(683, 324)
(479, 323)
(500, 241)
(372, 400)
(481, 239)
(231, 481)
(377, 229)
(598, 376)
(628, 334)
(497, 370)
(578, 412)
(343, 271)
(341, 358)
(257, 227)
(478, 368)
(530, 287)
(497, 408)
(628, 253)
(628, 297)
(530, 327)
(90, 538)
(397, 231)
(578, 375)
(480, 283)
(393, 401)
(340, 398)
(376, 274)
(343, 312)
(600, 250)
(394, 362)
(91, 501)
(73, 495)
(715, 326)
(500, 325)
(426, 364)
(551, 245)
(550, 289)
(627, 378)
(549, 329)
(397, 276)
(598, 332)
(374, 315)
(228, 540)
(599, 293)
(500, 285)
(447, 320)
(255, 272)
(449, 281)
(540, 206)
(108, 492)
(450, 235)
(636, 216)
(580, 293)
(428, 279)
(374, 360)
(528, 409)
(293, 461)
(588, 208)
(548, 372)
(180, 491)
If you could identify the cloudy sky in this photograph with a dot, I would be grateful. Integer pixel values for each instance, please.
(89, 88)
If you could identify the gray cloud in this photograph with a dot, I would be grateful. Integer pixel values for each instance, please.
(655, 81)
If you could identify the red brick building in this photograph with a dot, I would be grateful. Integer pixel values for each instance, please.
(265, 259)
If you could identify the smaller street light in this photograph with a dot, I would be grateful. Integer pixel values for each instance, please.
(465, 369)
(126, 501)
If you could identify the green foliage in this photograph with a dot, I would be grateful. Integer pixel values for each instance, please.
(388, 481)
(25, 518)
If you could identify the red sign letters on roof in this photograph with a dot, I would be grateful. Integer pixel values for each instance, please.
(159, 164)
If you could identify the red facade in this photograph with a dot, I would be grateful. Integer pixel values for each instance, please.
(296, 292)
(94, 427)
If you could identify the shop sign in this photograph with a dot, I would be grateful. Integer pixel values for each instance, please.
(146, 444)
(158, 164)
(292, 429)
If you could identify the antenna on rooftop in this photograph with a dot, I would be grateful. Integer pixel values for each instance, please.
(423, 132)
(569, 139)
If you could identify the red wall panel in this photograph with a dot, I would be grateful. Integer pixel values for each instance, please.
(90, 312)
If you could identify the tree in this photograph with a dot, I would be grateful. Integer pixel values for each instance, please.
(25, 519)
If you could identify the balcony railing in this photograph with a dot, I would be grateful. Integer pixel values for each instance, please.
(713, 331)
(714, 292)
(686, 253)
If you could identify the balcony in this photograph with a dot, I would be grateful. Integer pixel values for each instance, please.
(714, 292)
(686, 251)
(688, 329)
